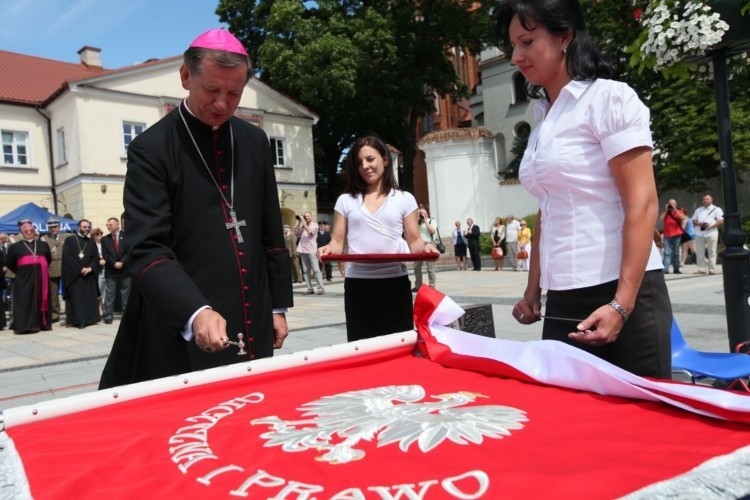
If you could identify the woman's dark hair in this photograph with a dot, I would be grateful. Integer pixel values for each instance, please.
(356, 184)
(583, 59)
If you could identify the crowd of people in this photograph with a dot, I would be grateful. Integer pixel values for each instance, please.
(88, 270)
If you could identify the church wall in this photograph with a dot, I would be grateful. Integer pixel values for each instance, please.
(463, 184)
(500, 114)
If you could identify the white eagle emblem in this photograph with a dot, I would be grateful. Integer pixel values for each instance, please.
(390, 414)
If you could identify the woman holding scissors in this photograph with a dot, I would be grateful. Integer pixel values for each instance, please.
(589, 164)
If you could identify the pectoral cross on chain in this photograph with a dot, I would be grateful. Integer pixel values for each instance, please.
(235, 224)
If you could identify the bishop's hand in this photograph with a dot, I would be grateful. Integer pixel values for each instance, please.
(210, 330)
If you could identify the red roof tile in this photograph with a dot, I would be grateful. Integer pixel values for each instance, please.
(33, 80)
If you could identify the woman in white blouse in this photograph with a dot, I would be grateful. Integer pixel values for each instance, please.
(498, 237)
(589, 165)
(371, 216)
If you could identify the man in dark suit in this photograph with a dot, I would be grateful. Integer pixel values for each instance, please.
(3, 239)
(115, 254)
(472, 241)
(324, 238)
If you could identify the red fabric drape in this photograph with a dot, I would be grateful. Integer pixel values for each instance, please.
(201, 443)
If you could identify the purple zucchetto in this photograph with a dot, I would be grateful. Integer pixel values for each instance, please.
(219, 39)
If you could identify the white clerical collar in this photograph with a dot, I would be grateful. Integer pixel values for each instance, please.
(214, 127)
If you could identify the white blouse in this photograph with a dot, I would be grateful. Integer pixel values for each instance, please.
(566, 167)
(379, 232)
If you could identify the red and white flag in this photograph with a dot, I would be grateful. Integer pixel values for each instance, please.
(371, 420)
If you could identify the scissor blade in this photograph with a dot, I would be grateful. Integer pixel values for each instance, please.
(557, 318)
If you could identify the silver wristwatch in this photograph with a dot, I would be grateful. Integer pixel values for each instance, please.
(620, 310)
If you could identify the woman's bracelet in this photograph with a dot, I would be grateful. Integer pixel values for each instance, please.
(620, 310)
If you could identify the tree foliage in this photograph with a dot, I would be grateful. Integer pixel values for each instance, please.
(364, 66)
(517, 149)
(372, 65)
(683, 111)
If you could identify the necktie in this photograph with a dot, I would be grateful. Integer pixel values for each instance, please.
(116, 241)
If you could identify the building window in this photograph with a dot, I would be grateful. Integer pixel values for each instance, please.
(15, 148)
(62, 156)
(519, 89)
(522, 130)
(277, 147)
(130, 131)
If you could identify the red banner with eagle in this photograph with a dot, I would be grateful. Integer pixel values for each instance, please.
(373, 420)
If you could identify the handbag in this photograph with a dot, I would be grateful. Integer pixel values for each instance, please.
(522, 255)
(439, 242)
(497, 253)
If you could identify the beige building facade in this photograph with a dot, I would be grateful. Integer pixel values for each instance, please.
(67, 151)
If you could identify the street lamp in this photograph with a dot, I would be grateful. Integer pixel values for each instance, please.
(736, 259)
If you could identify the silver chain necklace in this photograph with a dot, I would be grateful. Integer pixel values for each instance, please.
(33, 251)
(80, 250)
(234, 223)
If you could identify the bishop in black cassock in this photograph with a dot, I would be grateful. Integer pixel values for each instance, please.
(32, 302)
(185, 253)
(80, 274)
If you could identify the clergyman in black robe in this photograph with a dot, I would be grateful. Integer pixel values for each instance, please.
(80, 273)
(207, 254)
(2, 285)
(29, 259)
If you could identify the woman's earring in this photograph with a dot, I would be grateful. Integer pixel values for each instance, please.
(565, 50)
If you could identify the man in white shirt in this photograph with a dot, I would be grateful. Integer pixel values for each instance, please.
(707, 220)
(512, 227)
(307, 230)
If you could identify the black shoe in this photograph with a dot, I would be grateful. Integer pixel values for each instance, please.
(678, 272)
(107, 321)
(81, 327)
(414, 289)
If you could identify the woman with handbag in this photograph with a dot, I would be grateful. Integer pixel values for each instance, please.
(524, 246)
(687, 245)
(498, 236)
(459, 247)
